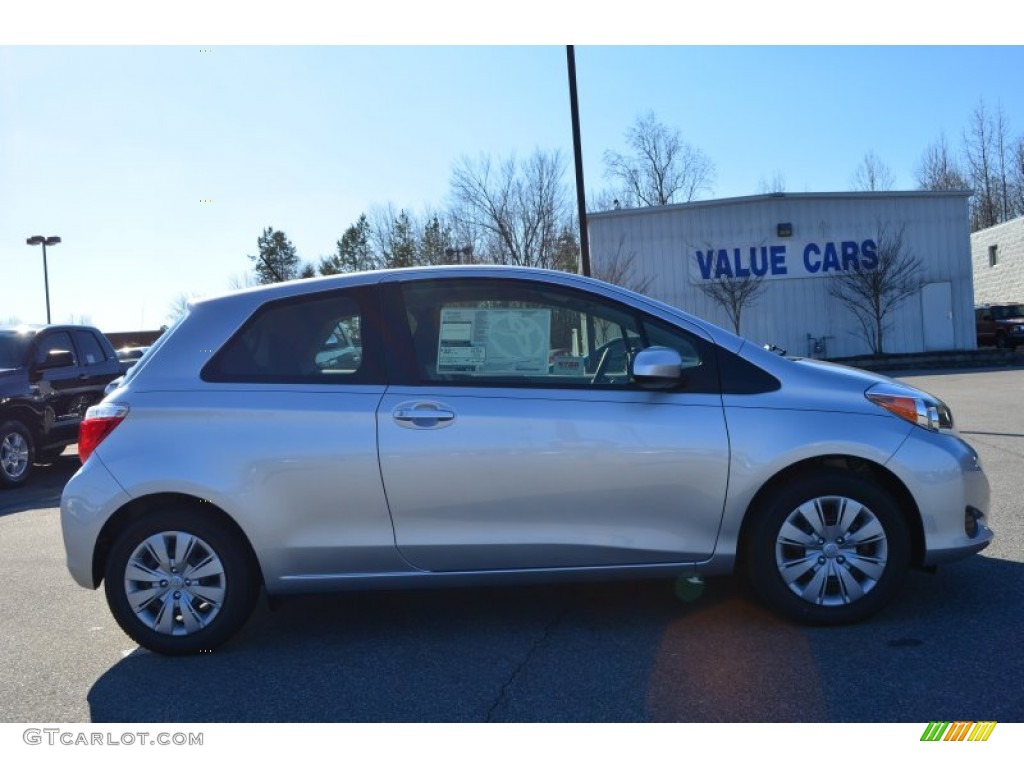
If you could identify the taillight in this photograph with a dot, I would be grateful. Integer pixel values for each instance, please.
(99, 422)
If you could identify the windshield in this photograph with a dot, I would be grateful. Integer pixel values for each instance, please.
(13, 346)
(1014, 311)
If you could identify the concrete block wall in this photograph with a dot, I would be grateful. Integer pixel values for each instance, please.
(1003, 282)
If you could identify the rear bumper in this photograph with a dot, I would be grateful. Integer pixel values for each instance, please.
(89, 499)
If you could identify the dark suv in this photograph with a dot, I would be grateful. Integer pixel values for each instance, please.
(1000, 324)
(49, 375)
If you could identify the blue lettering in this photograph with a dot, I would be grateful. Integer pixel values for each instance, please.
(869, 251)
(778, 259)
(812, 266)
(759, 269)
(741, 271)
(850, 255)
(831, 260)
(722, 267)
(705, 265)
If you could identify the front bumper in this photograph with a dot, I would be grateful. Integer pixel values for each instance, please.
(946, 479)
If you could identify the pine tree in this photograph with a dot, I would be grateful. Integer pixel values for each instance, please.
(277, 260)
(353, 253)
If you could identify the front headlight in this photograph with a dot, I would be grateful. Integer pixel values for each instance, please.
(913, 406)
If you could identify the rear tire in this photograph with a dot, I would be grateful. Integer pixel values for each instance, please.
(180, 582)
(831, 548)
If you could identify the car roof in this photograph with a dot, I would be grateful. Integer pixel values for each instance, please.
(34, 328)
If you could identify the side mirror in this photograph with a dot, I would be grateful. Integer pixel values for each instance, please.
(56, 358)
(657, 368)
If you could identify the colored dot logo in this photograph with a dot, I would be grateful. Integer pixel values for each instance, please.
(208, 200)
(206, 50)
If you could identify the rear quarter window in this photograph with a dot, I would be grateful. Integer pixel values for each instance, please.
(306, 340)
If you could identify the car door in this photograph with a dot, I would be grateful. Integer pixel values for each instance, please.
(515, 437)
(61, 388)
(98, 370)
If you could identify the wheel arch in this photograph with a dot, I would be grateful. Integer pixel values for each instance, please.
(139, 507)
(25, 416)
(856, 466)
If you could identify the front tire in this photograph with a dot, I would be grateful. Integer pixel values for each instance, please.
(17, 452)
(831, 548)
(179, 582)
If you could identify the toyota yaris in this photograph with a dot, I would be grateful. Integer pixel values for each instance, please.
(496, 425)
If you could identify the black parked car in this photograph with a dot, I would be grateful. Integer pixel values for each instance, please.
(49, 376)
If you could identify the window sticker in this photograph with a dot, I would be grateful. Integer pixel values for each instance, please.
(567, 365)
(494, 341)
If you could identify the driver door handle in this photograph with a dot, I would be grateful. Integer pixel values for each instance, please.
(423, 415)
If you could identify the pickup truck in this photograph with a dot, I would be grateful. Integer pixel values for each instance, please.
(49, 376)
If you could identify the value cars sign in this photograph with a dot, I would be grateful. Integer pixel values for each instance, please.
(783, 260)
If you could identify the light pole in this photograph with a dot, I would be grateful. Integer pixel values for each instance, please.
(45, 241)
(577, 150)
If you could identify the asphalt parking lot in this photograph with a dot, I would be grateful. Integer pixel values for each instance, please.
(948, 648)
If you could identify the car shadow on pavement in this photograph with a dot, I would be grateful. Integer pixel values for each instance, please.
(43, 489)
(947, 648)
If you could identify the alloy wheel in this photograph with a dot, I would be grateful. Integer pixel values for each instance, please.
(14, 454)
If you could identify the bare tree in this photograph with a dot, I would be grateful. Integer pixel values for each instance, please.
(734, 294)
(662, 169)
(618, 268)
(180, 306)
(513, 212)
(871, 295)
(980, 151)
(939, 169)
(776, 184)
(603, 200)
(872, 175)
(1004, 164)
(243, 280)
(1017, 160)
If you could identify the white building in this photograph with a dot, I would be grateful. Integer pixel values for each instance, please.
(998, 256)
(798, 243)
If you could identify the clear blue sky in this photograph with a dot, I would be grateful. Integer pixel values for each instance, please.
(113, 147)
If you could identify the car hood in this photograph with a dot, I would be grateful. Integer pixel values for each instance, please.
(11, 375)
(854, 377)
(809, 384)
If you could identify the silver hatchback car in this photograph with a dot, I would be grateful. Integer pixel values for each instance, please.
(496, 425)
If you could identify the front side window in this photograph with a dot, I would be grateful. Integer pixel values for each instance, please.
(54, 342)
(504, 332)
(310, 339)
